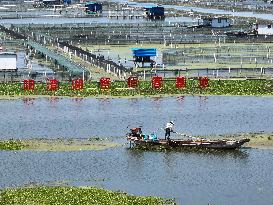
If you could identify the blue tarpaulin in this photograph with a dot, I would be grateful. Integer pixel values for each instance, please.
(142, 52)
(155, 10)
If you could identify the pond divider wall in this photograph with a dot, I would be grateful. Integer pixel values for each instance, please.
(95, 60)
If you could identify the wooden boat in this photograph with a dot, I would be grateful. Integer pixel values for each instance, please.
(138, 140)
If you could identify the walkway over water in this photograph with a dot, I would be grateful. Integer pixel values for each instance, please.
(59, 59)
(73, 68)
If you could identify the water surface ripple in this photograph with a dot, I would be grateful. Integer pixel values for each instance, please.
(222, 178)
(83, 118)
(239, 177)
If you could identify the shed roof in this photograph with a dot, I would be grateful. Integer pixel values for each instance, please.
(91, 2)
(153, 6)
(142, 52)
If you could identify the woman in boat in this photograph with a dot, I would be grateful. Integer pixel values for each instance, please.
(168, 130)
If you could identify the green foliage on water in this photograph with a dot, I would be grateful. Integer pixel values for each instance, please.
(73, 196)
(11, 145)
(119, 88)
(167, 148)
(58, 144)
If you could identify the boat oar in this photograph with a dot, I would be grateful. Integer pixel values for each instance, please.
(182, 134)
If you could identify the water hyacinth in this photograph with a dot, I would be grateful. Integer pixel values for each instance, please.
(60, 145)
(11, 145)
(73, 196)
(119, 88)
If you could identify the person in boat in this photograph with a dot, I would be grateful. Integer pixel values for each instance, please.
(168, 129)
(136, 132)
(153, 137)
(145, 137)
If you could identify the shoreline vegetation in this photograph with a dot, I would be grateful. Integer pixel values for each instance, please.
(257, 141)
(47, 195)
(57, 145)
(238, 87)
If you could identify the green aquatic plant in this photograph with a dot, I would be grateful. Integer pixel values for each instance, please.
(11, 145)
(73, 196)
(95, 139)
(58, 145)
(120, 88)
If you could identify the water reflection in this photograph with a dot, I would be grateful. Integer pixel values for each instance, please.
(135, 160)
(169, 154)
(203, 100)
(104, 101)
(180, 99)
(78, 100)
(157, 100)
(53, 101)
(28, 101)
(133, 101)
(159, 106)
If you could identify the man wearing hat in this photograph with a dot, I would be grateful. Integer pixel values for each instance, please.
(168, 129)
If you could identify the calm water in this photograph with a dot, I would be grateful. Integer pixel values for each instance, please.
(240, 177)
(223, 12)
(86, 20)
(222, 178)
(82, 118)
(205, 10)
(35, 66)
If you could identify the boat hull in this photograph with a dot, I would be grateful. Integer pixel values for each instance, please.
(187, 144)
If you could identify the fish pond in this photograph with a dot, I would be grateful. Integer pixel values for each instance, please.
(237, 177)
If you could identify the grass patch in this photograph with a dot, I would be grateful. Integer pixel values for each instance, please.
(57, 144)
(73, 196)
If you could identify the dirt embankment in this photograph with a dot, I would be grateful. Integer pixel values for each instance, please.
(257, 140)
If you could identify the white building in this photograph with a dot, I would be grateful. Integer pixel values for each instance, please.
(264, 29)
(216, 22)
(8, 61)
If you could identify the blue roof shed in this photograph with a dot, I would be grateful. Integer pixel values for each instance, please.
(93, 7)
(155, 11)
(144, 52)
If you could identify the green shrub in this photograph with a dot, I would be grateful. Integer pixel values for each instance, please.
(73, 196)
